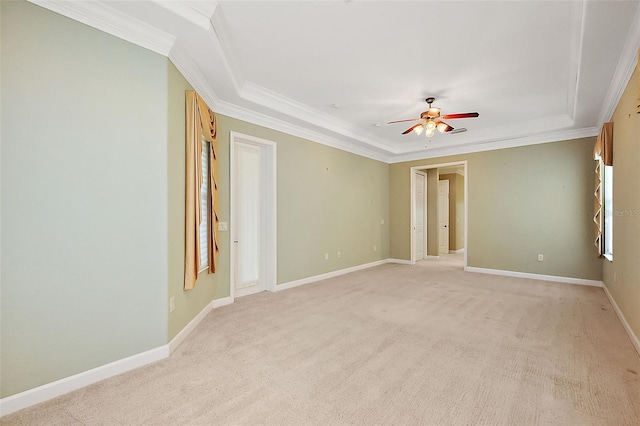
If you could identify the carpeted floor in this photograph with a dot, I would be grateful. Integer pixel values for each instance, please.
(394, 344)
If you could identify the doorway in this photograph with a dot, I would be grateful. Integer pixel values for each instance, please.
(253, 215)
(443, 217)
(446, 193)
(419, 214)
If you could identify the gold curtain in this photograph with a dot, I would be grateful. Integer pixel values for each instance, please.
(603, 154)
(603, 148)
(200, 123)
(597, 208)
(638, 71)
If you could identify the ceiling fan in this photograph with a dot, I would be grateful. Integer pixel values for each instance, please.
(430, 120)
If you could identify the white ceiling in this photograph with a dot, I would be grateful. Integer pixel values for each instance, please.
(536, 71)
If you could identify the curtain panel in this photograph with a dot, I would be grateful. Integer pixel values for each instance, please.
(597, 209)
(603, 155)
(200, 123)
(638, 71)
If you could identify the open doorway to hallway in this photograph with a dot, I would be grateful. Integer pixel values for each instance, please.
(439, 195)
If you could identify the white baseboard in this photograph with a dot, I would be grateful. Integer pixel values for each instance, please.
(568, 280)
(179, 338)
(431, 257)
(320, 277)
(60, 387)
(223, 301)
(634, 339)
(399, 261)
(456, 251)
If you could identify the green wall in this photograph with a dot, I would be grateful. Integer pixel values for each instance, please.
(92, 206)
(328, 201)
(522, 201)
(622, 275)
(84, 196)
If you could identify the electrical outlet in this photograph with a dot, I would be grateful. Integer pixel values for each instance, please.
(172, 304)
(540, 257)
(375, 248)
(381, 221)
(326, 256)
(339, 253)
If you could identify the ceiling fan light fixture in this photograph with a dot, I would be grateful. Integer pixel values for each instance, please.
(431, 120)
(443, 127)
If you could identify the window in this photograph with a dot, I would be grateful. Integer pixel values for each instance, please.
(200, 201)
(608, 212)
(603, 192)
(204, 203)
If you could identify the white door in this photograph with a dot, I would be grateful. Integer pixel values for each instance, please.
(443, 216)
(248, 229)
(418, 215)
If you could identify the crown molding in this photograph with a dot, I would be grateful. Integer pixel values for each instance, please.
(493, 144)
(190, 71)
(624, 70)
(98, 15)
(187, 66)
(253, 117)
(264, 97)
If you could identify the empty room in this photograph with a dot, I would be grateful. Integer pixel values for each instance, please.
(320, 212)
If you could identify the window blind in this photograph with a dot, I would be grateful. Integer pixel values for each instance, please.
(204, 200)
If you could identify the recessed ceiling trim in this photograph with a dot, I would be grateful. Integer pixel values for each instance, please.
(264, 97)
(207, 8)
(259, 95)
(98, 15)
(575, 56)
(624, 70)
(245, 114)
(496, 144)
(186, 12)
(185, 64)
(221, 32)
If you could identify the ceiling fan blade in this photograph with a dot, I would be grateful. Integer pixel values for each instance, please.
(411, 128)
(462, 115)
(459, 130)
(403, 121)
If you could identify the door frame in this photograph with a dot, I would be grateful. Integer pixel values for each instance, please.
(422, 168)
(268, 240)
(444, 183)
(424, 215)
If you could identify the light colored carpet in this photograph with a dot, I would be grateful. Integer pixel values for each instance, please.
(394, 344)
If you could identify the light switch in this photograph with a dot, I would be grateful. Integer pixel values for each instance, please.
(222, 226)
